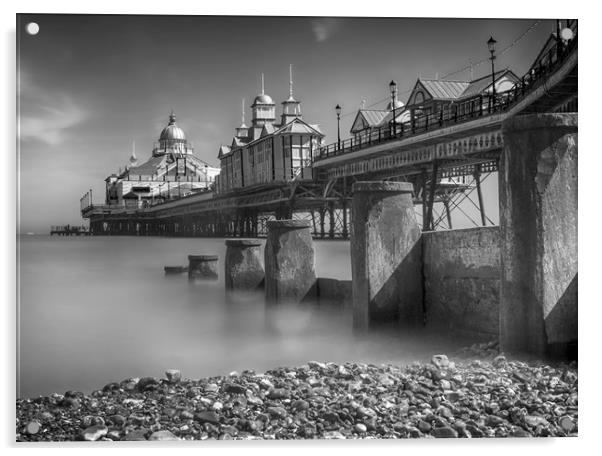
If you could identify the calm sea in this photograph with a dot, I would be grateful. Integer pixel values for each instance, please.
(98, 309)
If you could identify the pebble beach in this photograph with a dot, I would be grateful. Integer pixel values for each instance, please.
(446, 398)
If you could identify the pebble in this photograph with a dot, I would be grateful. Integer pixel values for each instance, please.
(33, 427)
(233, 388)
(162, 435)
(95, 432)
(207, 417)
(173, 375)
(566, 423)
(445, 432)
(136, 435)
(360, 428)
(440, 361)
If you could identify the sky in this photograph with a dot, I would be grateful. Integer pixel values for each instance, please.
(89, 86)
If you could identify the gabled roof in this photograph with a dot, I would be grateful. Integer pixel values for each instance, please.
(453, 90)
(238, 142)
(223, 150)
(367, 118)
(297, 125)
(478, 86)
(268, 129)
(444, 90)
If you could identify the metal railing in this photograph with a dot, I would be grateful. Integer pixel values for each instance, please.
(463, 111)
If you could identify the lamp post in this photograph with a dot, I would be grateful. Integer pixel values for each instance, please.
(338, 111)
(491, 45)
(393, 89)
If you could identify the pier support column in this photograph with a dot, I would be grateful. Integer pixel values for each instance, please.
(322, 213)
(386, 252)
(289, 261)
(244, 265)
(538, 227)
(202, 266)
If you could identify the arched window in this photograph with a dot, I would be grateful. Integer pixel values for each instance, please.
(418, 98)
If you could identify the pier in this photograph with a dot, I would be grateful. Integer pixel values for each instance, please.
(515, 281)
(445, 155)
(69, 230)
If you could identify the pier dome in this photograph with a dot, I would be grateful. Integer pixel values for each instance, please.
(263, 98)
(398, 105)
(172, 131)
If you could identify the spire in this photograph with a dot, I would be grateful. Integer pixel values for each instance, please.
(242, 113)
(262, 88)
(290, 82)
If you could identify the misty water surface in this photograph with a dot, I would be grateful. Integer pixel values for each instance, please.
(99, 309)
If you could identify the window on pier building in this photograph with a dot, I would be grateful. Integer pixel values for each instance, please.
(297, 153)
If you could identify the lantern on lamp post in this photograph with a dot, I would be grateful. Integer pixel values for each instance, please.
(393, 89)
(338, 111)
(491, 45)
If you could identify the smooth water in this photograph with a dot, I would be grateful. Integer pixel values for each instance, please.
(98, 309)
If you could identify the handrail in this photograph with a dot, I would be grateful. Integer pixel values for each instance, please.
(463, 111)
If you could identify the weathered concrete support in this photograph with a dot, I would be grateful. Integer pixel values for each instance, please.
(289, 261)
(538, 223)
(244, 264)
(202, 266)
(385, 254)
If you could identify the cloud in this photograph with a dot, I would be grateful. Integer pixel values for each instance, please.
(46, 115)
(324, 28)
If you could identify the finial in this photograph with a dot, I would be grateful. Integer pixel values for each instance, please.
(134, 150)
(242, 112)
(290, 82)
(262, 88)
(172, 117)
(363, 103)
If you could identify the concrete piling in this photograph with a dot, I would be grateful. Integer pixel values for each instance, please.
(289, 261)
(538, 227)
(385, 254)
(244, 264)
(202, 266)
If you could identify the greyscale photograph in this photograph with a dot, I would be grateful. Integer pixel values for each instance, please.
(277, 227)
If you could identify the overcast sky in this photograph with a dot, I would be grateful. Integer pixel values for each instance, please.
(91, 85)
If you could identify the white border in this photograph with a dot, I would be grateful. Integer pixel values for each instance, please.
(589, 411)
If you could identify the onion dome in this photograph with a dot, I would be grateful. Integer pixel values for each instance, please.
(263, 98)
(398, 105)
(172, 131)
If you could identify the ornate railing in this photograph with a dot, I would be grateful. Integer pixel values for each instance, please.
(459, 112)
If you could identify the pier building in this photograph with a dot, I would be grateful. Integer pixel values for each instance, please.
(171, 171)
(269, 151)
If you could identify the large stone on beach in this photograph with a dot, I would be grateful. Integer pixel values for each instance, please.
(173, 375)
(33, 427)
(289, 261)
(445, 432)
(136, 435)
(386, 262)
(163, 435)
(441, 361)
(93, 433)
(207, 417)
(244, 265)
(147, 383)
